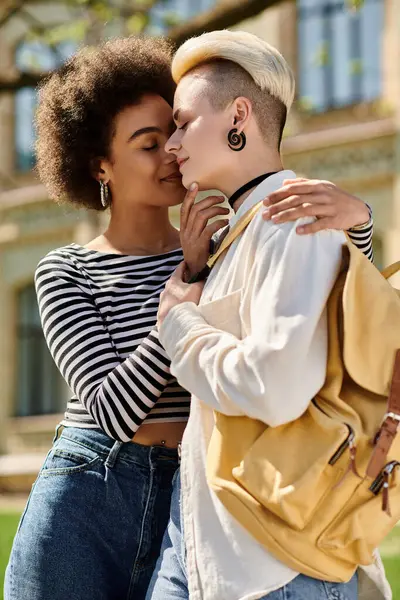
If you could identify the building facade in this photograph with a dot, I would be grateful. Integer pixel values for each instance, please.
(345, 127)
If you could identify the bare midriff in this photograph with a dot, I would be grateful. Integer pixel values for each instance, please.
(160, 434)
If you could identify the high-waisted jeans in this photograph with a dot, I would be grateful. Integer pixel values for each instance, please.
(169, 581)
(94, 521)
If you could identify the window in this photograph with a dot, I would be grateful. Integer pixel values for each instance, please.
(339, 53)
(40, 388)
(32, 56)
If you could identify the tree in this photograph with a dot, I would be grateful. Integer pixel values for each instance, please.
(90, 20)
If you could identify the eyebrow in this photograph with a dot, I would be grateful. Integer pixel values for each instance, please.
(143, 131)
(151, 129)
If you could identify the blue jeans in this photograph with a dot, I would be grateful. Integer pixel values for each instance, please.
(169, 581)
(94, 521)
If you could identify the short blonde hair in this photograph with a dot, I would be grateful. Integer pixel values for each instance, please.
(265, 65)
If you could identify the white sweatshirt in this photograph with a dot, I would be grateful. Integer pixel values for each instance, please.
(256, 346)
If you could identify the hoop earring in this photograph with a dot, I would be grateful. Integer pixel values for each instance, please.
(104, 194)
(236, 141)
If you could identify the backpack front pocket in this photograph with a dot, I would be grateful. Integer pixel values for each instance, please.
(289, 477)
(366, 519)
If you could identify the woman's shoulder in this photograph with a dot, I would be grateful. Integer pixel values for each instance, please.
(62, 261)
(65, 255)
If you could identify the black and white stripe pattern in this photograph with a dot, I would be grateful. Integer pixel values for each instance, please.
(98, 313)
(362, 238)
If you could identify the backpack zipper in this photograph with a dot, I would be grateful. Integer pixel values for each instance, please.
(382, 482)
(378, 483)
(348, 443)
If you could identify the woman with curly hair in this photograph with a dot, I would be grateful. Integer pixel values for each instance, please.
(96, 515)
(97, 512)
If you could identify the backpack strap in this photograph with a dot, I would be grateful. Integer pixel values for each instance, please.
(391, 420)
(389, 427)
(391, 270)
(234, 233)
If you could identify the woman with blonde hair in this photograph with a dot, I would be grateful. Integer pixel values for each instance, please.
(252, 341)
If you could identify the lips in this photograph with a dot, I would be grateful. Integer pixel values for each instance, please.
(173, 176)
(181, 162)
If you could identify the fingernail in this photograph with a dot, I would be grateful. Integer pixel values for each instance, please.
(267, 213)
(300, 230)
(266, 201)
(275, 218)
(193, 186)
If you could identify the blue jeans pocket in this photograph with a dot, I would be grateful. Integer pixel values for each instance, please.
(68, 457)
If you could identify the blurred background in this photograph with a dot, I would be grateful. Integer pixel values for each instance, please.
(345, 127)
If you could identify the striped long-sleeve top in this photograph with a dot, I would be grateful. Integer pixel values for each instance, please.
(99, 313)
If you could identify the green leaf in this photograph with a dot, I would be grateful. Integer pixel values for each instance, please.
(75, 31)
(354, 4)
(305, 104)
(137, 23)
(356, 67)
(321, 57)
(171, 19)
(103, 12)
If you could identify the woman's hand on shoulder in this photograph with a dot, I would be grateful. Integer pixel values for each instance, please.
(333, 207)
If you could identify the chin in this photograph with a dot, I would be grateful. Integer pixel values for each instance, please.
(188, 180)
(178, 197)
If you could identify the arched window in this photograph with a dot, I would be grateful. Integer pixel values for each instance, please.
(40, 389)
(340, 53)
(32, 56)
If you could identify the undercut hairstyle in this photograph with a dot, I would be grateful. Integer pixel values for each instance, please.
(78, 105)
(241, 64)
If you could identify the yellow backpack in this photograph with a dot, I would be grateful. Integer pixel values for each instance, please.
(323, 491)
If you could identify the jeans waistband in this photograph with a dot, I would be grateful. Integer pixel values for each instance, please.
(102, 444)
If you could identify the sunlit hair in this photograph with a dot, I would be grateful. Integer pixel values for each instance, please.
(241, 64)
(78, 105)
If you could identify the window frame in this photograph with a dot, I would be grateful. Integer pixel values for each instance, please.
(40, 389)
(325, 11)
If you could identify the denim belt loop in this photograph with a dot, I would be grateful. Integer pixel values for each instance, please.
(112, 456)
(179, 448)
(55, 438)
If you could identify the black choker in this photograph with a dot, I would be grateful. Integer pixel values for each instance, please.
(247, 186)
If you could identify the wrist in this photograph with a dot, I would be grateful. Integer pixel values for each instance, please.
(365, 220)
(200, 275)
(192, 270)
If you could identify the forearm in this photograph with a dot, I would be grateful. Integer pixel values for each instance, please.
(243, 377)
(273, 372)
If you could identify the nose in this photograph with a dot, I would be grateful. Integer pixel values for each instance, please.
(173, 144)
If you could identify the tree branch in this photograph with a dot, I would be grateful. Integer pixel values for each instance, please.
(222, 16)
(9, 11)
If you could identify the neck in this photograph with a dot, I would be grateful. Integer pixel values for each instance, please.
(141, 230)
(247, 170)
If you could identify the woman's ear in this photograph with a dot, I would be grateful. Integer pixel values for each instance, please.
(99, 169)
(242, 112)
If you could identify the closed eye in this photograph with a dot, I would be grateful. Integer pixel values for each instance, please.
(153, 147)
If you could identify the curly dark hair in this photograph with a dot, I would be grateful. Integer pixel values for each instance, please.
(79, 102)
